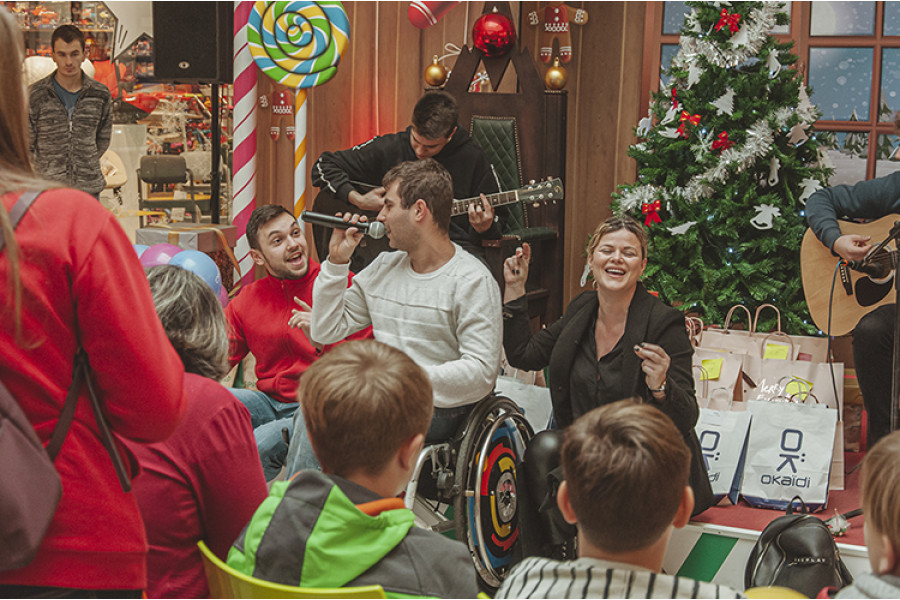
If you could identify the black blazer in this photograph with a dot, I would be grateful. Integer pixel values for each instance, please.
(649, 320)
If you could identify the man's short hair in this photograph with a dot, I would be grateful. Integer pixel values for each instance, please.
(626, 466)
(362, 401)
(426, 179)
(880, 487)
(435, 115)
(259, 217)
(67, 33)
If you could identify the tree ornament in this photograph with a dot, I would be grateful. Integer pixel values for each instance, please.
(731, 21)
(668, 132)
(774, 165)
(674, 98)
(685, 119)
(765, 213)
(426, 13)
(773, 65)
(810, 186)
(725, 103)
(556, 76)
(741, 38)
(722, 142)
(804, 104)
(682, 229)
(556, 26)
(669, 116)
(694, 73)
(798, 134)
(651, 209)
(494, 34)
(435, 73)
(645, 124)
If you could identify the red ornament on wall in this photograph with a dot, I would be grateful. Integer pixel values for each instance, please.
(494, 34)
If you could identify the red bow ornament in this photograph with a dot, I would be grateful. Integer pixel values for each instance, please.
(730, 20)
(685, 119)
(651, 210)
(722, 142)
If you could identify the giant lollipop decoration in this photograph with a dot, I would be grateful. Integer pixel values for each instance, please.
(298, 44)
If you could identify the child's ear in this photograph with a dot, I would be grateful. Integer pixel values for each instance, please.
(887, 562)
(565, 504)
(685, 508)
(409, 451)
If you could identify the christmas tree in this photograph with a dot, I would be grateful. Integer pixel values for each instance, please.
(726, 160)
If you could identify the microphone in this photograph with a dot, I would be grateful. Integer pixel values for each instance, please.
(374, 229)
(875, 270)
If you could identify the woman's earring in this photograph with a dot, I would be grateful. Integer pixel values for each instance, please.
(584, 274)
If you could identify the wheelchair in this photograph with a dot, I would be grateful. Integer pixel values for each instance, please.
(469, 485)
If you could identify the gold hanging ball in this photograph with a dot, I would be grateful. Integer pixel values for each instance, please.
(435, 73)
(556, 76)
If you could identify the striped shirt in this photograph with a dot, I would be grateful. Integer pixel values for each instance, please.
(538, 577)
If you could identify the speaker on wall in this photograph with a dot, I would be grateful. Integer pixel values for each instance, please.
(193, 41)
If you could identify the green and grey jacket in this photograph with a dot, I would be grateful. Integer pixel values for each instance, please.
(325, 531)
(69, 150)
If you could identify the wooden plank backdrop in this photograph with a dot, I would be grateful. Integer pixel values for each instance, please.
(380, 79)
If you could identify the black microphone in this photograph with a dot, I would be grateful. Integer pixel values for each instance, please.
(374, 229)
(875, 270)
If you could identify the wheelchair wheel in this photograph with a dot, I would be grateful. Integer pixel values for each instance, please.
(485, 509)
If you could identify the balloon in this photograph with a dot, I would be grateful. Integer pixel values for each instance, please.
(201, 264)
(159, 254)
(223, 297)
(140, 248)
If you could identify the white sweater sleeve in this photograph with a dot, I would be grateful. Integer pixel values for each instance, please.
(472, 376)
(337, 310)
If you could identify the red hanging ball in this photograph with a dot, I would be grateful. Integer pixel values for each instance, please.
(494, 34)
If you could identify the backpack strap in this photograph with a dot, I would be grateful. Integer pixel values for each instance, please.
(26, 199)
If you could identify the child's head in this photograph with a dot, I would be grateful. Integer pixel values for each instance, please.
(626, 467)
(880, 489)
(362, 401)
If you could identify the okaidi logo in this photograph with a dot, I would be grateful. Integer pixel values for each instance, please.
(709, 444)
(791, 453)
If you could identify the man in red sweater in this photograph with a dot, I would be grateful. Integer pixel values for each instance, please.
(270, 318)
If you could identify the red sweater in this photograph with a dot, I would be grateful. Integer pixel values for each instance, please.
(80, 275)
(203, 483)
(258, 323)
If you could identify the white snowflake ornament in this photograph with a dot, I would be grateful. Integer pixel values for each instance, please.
(765, 214)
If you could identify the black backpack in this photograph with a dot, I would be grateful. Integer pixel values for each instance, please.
(796, 551)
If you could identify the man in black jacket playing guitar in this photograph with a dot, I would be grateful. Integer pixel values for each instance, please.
(873, 336)
(434, 133)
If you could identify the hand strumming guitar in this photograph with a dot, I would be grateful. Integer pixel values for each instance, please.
(852, 246)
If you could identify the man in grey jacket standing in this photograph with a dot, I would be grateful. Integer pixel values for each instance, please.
(70, 117)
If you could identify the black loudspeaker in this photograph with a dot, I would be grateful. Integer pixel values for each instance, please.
(193, 41)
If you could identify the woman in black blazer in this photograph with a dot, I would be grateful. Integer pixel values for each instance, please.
(615, 342)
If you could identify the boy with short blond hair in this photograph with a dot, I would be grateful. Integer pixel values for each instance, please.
(367, 407)
(626, 470)
(880, 488)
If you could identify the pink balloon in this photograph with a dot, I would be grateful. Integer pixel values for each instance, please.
(223, 296)
(158, 254)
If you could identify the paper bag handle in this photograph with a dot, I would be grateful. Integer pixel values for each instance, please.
(704, 379)
(694, 326)
(776, 334)
(759, 310)
(731, 310)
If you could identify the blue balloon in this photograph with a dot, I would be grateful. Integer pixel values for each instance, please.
(201, 264)
(139, 248)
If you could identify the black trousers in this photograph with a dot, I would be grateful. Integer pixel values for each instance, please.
(873, 355)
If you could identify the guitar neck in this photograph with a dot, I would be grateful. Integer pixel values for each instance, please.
(461, 207)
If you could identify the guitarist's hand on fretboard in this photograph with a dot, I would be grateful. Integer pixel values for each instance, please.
(371, 200)
(481, 215)
(852, 246)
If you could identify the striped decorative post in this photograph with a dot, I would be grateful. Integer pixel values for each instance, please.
(298, 44)
(245, 107)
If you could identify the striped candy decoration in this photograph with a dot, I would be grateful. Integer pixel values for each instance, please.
(244, 175)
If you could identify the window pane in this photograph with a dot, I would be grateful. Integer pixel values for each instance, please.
(891, 18)
(842, 18)
(840, 79)
(884, 164)
(847, 153)
(666, 54)
(890, 83)
(673, 17)
(784, 29)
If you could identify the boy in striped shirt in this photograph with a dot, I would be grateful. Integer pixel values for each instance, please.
(626, 488)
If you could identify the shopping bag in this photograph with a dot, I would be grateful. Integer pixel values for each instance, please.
(723, 440)
(728, 339)
(789, 453)
(720, 370)
(805, 347)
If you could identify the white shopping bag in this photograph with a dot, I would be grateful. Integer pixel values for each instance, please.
(723, 440)
(789, 453)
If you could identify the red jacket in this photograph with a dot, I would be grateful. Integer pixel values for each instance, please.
(80, 275)
(257, 322)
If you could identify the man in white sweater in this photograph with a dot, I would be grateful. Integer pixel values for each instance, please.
(431, 299)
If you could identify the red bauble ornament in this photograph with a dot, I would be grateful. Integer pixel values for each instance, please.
(494, 34)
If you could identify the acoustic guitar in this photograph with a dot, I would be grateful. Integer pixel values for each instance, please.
(855, 293)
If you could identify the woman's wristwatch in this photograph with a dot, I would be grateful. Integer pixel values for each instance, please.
(661, 389)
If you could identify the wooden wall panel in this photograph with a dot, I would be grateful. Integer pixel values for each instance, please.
(380, 79)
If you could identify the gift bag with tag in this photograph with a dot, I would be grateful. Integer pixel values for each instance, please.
(803, 347)
(723, 440)
(720, 370)
(789, 453)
